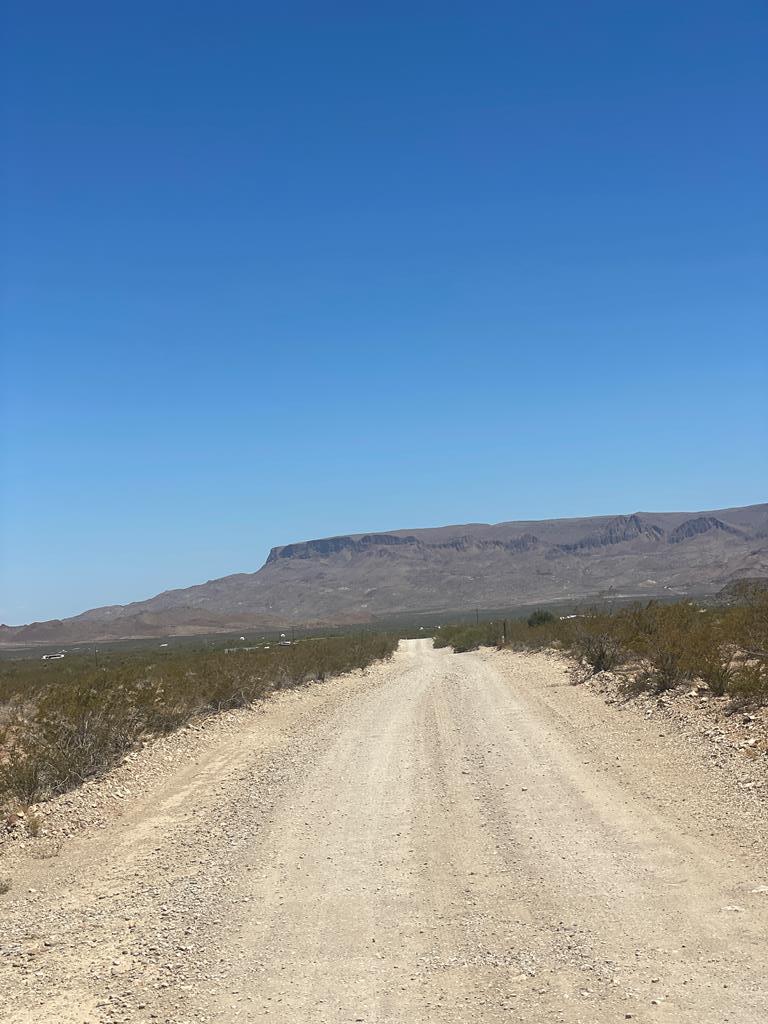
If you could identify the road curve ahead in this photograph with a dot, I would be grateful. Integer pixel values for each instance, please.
(452, 838)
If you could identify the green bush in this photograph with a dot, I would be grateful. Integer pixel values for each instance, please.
(662, 636)
(595, 643)
(749, 684)
(468, 638)
(539, 618)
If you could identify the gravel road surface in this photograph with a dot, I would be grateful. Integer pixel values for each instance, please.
(443, 838)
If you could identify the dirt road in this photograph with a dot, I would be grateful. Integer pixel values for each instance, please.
(443, 839)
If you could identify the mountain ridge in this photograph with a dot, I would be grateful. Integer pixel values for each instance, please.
(360, 577)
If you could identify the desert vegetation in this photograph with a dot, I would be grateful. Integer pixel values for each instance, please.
(64, 721)
(656, 646)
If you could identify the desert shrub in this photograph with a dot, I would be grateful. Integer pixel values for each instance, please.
(539, 618)
(544, 631)
(596, 644)
(748, 684)
(468, 638)
(82, 718)
(539, 630)
(716, 670)
(22, 768)
(751, 621)
(661, 636)
(658, 646)
(712, 651)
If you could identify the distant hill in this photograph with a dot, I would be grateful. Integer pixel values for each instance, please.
(361, 577)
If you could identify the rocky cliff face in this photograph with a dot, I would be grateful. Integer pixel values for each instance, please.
(617, 531)
(374, 542)
(361, 577)
(334, 545)
(695, 527)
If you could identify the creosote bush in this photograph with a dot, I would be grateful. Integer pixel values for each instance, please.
(749, 684)
(469, 638)
(539, 618)
(667, 640)
(658, 646)
(595, 644)
(80, 719)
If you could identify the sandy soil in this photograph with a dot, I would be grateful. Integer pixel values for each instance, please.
(445, 838)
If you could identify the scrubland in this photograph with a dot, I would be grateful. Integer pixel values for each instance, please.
(64, 721)
(653, 646)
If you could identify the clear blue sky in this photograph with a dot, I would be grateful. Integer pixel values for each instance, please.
(278, 271)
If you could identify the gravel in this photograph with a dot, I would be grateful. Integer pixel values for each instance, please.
(443, 838)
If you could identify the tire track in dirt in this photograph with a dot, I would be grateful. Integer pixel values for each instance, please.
(441, 839)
